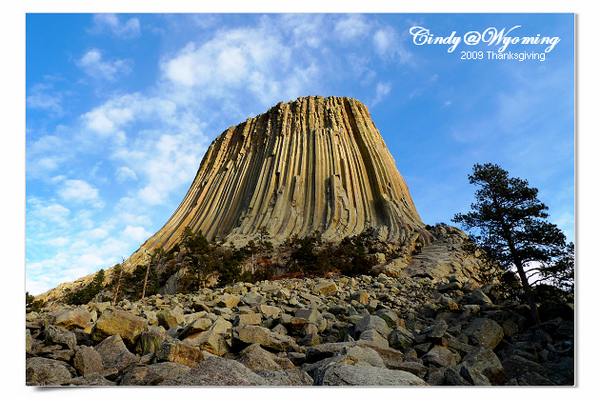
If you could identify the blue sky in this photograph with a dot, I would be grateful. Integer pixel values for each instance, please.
(121, 108)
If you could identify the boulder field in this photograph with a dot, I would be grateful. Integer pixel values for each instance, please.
(364, 331)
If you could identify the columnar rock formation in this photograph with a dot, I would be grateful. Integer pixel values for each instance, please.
(314, 164)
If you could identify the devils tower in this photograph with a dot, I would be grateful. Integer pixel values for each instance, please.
(311, 165)
(314, 164)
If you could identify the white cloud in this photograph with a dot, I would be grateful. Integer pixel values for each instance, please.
(255, 60)
(164, 163)
(45, 155)
(382, 90)
(92, 65)
(96, 234)
(351, 27)
(58, 242)
(77, 191)
(40, 97)
(383, 40)
(389, 45)
(128, 108)
(307, 30)
(138, 233)
(124, 173)
(41, 212)
(111, 22)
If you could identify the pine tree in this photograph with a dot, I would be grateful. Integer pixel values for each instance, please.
(510, 223)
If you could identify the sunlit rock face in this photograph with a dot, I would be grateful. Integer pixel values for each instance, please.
(314, 164)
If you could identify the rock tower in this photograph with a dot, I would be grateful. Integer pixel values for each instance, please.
(314, 164)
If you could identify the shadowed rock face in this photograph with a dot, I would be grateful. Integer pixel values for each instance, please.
(314, 164)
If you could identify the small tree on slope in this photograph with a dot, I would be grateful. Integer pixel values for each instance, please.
(509, 220)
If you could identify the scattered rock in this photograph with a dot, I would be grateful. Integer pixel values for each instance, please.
(370, 331)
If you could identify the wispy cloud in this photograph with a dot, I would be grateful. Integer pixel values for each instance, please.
(382, 90)
(95, 67)
(389, 45)
(113, 24)
(251, 59)
(78, 191)
(351, 27)
(42, 97)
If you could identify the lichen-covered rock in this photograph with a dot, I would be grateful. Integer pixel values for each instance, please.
(149, 342)
(170, 317)
(115, 321)
(400, 338)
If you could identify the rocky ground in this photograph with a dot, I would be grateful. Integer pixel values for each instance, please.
(366, 330)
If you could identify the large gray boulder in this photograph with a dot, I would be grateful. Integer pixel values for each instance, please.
(46, 372)
(322, 351)
(153, 374)
(372, 322)
(441, 357)
(87, 360)
(115, 354)
(218, 371)
(286, 377)
(400, 338)
(484, 332)
(365, 375)
(256, 358)
(485, 361)
(60, 336)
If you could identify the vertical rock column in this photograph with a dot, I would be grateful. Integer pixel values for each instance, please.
(312, 164)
